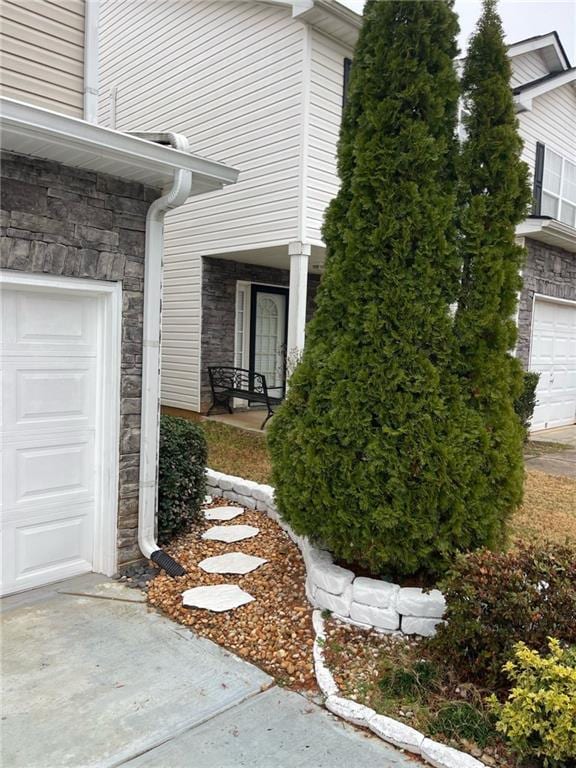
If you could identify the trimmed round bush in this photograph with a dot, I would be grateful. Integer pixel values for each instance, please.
(495, 600)
(539, 716)
(181, 475)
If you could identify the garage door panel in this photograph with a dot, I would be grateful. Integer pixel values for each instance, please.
(44, 546)
(553, 355)
(47, 323)
(47, 549)
(47, 469)
(53, 395)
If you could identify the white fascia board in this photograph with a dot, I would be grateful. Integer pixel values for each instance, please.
(548, 48)
(564, 78)
(321, 14)
(48, 126)
(342, 12)
(524, 99)
(549, 231)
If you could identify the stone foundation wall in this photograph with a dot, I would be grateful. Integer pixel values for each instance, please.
(368, 603)
(58, 220)
(548, 271)
(219, 278)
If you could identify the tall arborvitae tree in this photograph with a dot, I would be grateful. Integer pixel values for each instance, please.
(373, 451)
(494, 197)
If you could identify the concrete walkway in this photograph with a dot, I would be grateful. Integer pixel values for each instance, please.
(92, 677)
(561, 462)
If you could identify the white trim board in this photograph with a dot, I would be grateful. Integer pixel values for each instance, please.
(108, 414)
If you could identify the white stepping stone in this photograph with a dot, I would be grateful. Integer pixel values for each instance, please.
(220, 597)
(230, 533)
(231, 562)
(223, 513)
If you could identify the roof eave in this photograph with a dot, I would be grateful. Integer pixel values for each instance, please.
(331, 18)
(48, 130)
(524, 94)
(550, 48)
(549, 231)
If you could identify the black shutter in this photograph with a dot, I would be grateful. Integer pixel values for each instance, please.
(538, 176)
(347, 68)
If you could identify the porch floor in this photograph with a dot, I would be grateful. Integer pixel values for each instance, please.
(250, 419)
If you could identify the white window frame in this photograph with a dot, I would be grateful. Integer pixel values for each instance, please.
(243, 291)
(107, 449)
(558, 196)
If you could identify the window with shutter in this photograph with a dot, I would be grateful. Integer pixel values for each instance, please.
(557, 187)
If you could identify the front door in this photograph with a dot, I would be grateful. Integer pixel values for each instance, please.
(268, 329)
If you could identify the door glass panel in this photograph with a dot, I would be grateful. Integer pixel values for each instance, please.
(270, 328)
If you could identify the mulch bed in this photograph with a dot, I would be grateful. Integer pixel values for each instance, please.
(359, 658)
(275, 631)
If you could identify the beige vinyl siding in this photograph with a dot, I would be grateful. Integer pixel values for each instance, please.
(228, 76)
(42, 53)
(325, 110)
(527, 67)
(551, 122)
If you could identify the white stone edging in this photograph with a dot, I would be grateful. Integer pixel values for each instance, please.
(392, 731)
(364, 602)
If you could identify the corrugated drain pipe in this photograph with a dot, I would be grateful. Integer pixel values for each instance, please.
(150, 419)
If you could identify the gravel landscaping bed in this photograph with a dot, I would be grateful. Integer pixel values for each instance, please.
(275, 631)
(371, 668)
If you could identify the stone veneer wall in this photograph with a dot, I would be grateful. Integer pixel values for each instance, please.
(59, 220)
(219, 278)
(364, 602)
(548, 271)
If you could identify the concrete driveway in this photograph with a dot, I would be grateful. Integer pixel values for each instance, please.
(561, 462)
(93, 677)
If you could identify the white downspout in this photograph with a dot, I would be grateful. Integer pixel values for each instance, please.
(150, 419)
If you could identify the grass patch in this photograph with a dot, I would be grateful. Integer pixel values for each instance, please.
(463, 722)
(232, 450)
(237, 451)
(548, 512)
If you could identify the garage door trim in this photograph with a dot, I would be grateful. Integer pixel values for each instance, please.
(109, 324)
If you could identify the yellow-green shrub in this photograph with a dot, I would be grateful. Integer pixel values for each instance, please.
(539, 716)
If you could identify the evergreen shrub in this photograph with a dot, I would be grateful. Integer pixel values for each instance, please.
(495, 600)
(494, 195)
(375, 453)
(181, 475)
(526, 402)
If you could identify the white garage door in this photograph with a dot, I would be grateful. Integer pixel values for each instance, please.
(553, 355)
(49, 348)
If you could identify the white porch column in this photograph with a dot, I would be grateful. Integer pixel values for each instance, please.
(299, 256)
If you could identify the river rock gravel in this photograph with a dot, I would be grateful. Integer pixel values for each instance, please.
(275, 631)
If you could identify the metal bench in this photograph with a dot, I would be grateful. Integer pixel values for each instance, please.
(228, 383)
